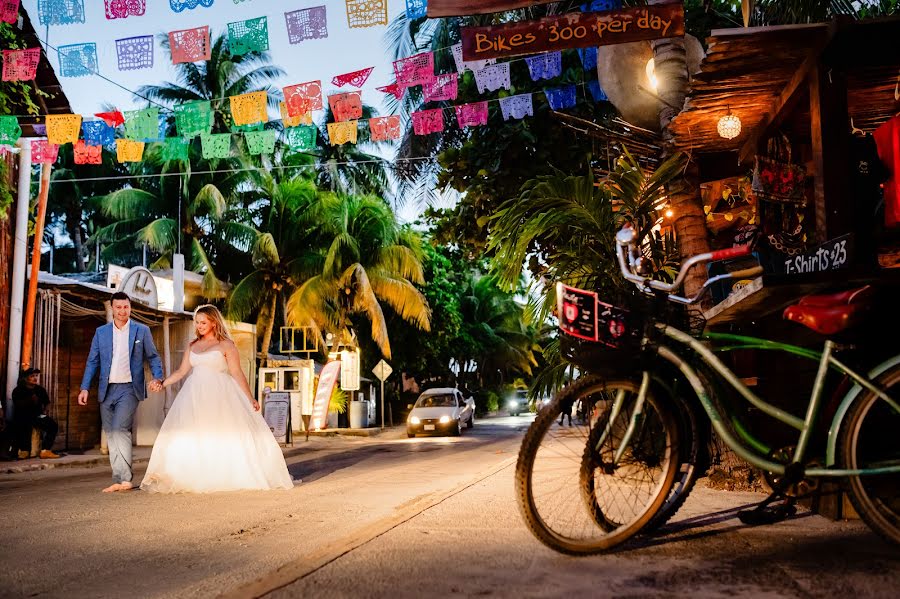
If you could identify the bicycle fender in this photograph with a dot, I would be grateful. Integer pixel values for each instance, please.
(854, 392)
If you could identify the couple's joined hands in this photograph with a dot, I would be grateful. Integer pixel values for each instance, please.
(155, 385)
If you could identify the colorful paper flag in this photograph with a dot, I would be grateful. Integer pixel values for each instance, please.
(301, 139)
(493, 77)
(135, 53)
(343, 132)
(472, 65)
(260, 142)
(9, 10)
(78, 60)
(588, 58)
(596, 91)
(128, 150)
(247, 109)
(366, 13)
(356, 78)
(306, 24)
(598, 5)
(416, 9)
(43, 151)
(517, 107)
(180, 5)
(142, 125)
(544, 66)
(97, 133)
(121, 9)
(428, 121)
(63, 128)
(190, 45)
(10, 132)
(87, 154)
(472, 115)
(346, 107)
(414, 70)
(384, 128)
(293, 121)
(251, 35)
(441, 88)
(176, 148)
(20, 65)
(216, 145)
(303, 97)
(393, 89)
(193, 118)
(60, 12)
(113, 118)
(560, 98)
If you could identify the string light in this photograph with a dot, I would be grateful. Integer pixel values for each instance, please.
(729, 126)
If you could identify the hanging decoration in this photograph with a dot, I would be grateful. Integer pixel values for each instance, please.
(415, 69)
(20, 65)
(596, 91)
(384, 128)
(303, 97)
(60, 12)
(260, 142)
(472, 115)
(343, 132)
(248, 109)
(393, 89)
(128, 150)
(97, 133)
(493, 77)
(560, 98)
(40, 130)
(113, 118)
(416, 9)
(306, 24)
(9, 10)
(293, 121)
(176, 148)
(366, 13)
(121, 9)
(428, 121)
(42, 151)
(10, 132)
(180, 5)
(600, 5)
(193, 118)
(251, 35)
(588, 58)
(190, 45)
(545, 66)
(472, 65)
(142, 125)
(301, 139)
(215, 145)
(248, 127)
(87, 154)
(78, 60)
(346, 107)
(517, 107)
(135, 53)
(441, 88)
(63, 128)
(356, 78)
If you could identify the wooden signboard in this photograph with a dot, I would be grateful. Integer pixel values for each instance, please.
(573, 30)
(455, 8)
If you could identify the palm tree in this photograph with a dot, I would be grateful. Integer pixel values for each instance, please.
(365, 259)
(351, 168)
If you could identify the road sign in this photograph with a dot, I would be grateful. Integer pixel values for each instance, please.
(350, 370)
(382, 370)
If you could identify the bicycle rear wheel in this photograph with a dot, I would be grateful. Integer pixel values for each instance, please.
(572, 496)
(869, 439)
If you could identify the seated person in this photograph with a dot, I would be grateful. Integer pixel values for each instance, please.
(30, 402)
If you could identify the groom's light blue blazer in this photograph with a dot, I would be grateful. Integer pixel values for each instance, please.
(140, 342)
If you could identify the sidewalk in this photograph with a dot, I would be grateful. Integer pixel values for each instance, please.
(141, 454)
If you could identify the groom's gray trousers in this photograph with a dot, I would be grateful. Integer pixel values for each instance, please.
(117, 415)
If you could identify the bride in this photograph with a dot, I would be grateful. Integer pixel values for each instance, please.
(214, 438)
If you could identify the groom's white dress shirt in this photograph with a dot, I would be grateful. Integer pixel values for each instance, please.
(120, 372)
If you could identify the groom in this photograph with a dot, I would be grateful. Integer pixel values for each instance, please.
(119, 350)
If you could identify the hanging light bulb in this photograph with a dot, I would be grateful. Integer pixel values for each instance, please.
(729, 126)
(650, 69)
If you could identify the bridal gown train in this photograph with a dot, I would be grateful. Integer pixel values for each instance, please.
(213, 439)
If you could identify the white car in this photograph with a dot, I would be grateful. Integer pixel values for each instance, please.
(441, 410)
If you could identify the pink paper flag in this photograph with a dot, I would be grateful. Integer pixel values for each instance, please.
(393, 89)
(113, 119)
(85, 154)
(414, 70)
(384, 128)
(303, 97)
(43, 151)
(20, 65)
(442, 87)
(190, 45)
(428, 121)
(9, 10)
(472, 115)
(346, 107)
(356, 78)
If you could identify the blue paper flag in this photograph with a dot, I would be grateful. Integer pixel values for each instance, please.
(561, 97)
(97, 133)
(597, 92)
(60, 12)
(598, 5)
(588, 58)
(78, 60)
(545, 66)
(415, 9)
(180, 5)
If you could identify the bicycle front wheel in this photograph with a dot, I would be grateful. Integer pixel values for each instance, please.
(869, 440)
(579, 490)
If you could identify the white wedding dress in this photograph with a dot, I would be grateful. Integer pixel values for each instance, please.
(213, 439)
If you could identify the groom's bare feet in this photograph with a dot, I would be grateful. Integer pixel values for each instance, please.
(115, 487)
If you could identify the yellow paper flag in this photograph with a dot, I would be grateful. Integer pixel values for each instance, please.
(63, 128)
(341, 133)
(294, 121)
(249, 109)
(128, 150)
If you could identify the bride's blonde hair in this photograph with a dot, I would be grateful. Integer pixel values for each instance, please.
(212, 313)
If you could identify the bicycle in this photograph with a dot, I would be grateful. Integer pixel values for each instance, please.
(632, 462)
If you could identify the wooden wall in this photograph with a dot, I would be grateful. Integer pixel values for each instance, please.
(79, 426)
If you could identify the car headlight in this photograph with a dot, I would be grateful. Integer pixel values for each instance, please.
(445, 419)
(513, 403)
(414, 420)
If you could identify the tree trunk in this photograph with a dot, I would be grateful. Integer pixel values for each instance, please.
(73, 225)
(268, 320)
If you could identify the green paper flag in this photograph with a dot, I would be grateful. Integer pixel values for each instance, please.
(251, 35)
(260, 142)
(245, 128)
(217, 145)
(176, 148)
(301, 139)
(10, 131)
(142, 125)
(193, 118)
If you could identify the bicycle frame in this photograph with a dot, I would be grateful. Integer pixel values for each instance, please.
(747, 447)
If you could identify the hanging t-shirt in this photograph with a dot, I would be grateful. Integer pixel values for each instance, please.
(867, 173)
(887, 137)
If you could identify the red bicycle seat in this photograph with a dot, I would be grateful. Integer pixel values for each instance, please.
(829, 314)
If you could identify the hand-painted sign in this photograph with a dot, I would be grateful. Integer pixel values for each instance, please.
(831, 255)
(573, 30)
(276, 409)
(327, 379)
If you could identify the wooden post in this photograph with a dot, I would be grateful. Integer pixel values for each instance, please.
(28, 326)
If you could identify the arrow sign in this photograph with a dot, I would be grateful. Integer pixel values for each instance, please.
(382, 370)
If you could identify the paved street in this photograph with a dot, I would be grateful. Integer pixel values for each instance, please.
(387, 516)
